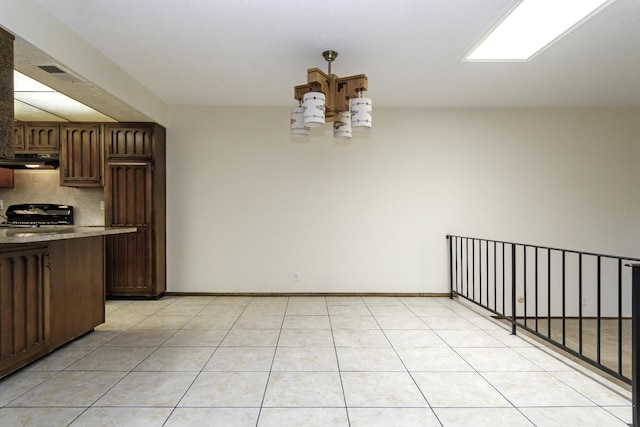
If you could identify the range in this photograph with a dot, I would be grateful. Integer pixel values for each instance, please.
(37, 214)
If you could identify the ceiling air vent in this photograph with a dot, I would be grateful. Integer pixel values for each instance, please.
(60, 72)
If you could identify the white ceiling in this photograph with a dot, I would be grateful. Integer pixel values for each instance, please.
(251, 52)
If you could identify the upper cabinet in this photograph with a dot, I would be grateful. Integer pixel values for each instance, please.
(80, 155)
(36, 138)
(129, 140)
(40, 138)
(85, 147)
(18, 137)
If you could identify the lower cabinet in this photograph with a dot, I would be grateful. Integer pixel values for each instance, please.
(131, 269)
(25, 287)
(50, 294)
(77, 287)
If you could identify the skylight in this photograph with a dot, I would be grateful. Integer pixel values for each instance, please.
(35, 101)
(533, 25)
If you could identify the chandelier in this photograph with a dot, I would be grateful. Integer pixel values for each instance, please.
(327, 97)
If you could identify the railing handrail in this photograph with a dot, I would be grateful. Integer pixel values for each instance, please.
(529, 245)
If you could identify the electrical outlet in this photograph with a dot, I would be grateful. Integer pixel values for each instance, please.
(584, 300)
(101, 205)
(296, 276)
(1, 205)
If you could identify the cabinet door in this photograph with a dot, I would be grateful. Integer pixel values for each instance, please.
(18, 137)
(129, 257)
(129, 141)
(129, 269)
(80, 156)
(42, 138)
(128, 194)
(24, 307)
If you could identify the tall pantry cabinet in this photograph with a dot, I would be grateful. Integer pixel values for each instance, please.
(135, 188)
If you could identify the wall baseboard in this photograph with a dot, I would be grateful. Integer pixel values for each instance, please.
(306, 294)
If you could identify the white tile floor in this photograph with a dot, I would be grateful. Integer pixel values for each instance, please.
(306, 361)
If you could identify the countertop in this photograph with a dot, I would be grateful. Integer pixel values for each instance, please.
(47, 233)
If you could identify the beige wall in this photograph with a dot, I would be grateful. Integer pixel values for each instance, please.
(248, 205)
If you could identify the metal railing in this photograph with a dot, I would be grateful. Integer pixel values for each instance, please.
(580, 302)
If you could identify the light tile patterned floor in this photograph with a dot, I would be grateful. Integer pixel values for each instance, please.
(306, 361)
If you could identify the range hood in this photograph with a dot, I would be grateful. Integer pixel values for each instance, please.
(31, 161)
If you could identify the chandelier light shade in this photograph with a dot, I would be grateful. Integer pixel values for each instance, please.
(327, 97)
(342, 126)
(361, 113)
(314, 107)
(297, 122)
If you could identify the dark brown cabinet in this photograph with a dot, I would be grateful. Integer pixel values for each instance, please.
(77, 287)
(18, 137)
(125, 141)
(6, 178)
(41, 138)
(135, 197)
(80, 155)
(131, 255)
(24, 305)
(50, 294)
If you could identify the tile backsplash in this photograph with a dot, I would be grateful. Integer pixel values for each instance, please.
(43, 186)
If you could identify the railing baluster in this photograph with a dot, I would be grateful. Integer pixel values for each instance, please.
(620, 316)
(549, 294)
(495, 275)
(480, 271)
(459, 267)
(580, 303)
(456, 278)
(536, 290)
(635, 343)
(513, 289)
(524, 281)
(450, 240)
(598, 317)
(487, 271)
(503, 279)
(564, 298)
(473, 269)
(466, 246)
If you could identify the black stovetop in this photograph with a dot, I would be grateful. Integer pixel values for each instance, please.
(34, 214)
